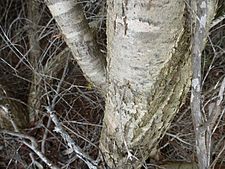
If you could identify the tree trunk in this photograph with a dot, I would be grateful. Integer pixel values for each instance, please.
(203, 131)
(35, 93)
(145, 80)
(148, 70)
(149, 75)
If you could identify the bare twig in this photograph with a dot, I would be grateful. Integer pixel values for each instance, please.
(178, 138)
(218, 156)
(45, 136)
(34, 162)
(70, 142)
(215, 108)
(217, 20)
(59, 128)
(33, 146)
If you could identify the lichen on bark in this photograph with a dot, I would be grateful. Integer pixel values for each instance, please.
(149, 75)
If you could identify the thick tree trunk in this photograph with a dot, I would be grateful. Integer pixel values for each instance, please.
(149, 75)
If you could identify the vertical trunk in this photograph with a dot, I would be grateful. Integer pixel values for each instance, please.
(149, 75)
(148, 70)
(203, 132)
(35, 93)
(50, 69)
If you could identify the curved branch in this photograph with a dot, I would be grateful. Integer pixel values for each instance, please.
(70, 18)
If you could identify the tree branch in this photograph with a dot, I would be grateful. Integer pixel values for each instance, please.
(70, 142)
(203, 133)
(32, 146)
(70, 18)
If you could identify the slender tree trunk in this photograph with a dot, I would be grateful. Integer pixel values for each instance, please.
(35, 93)
(53, 65)
(202, 126)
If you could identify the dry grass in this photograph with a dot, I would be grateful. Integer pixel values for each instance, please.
(78, 106)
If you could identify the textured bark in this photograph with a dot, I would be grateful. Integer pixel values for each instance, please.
(203, 132)
(78, 36)
(148, 66)
(35, 93)
(148, 70)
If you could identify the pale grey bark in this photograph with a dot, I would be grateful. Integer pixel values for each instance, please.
(220, 13)
(149, 75)
(148, 70)
(203, 130)
(79, 38)
(69, 141)
(218, 20)
(203, 135)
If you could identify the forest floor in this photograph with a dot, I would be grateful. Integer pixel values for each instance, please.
(80, 107)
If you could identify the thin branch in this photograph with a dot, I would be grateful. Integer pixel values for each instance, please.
(70, 142)
(215, 108)
(202, 133)
(59, 128)
(45, 136)
(32, 146)
(217, 21)
(178, 138)
(218, 156)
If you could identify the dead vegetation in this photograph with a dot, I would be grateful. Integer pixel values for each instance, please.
(45, 79)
